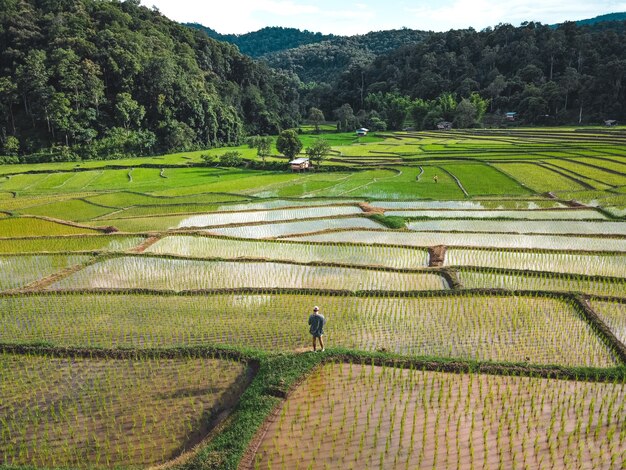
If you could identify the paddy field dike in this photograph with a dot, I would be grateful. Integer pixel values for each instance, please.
(153, 311)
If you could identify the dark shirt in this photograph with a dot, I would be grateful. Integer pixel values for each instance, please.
(317, 322)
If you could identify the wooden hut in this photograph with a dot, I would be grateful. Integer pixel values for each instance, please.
(299, 164)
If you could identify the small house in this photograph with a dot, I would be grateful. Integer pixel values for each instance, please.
(299, 164)
(362, 132)
(511, 116)
(444, 126)
(610, 123)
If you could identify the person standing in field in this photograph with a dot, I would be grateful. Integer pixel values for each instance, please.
(317, 322)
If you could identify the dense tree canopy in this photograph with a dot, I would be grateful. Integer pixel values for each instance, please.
(103, 78)
(265, 40)
(547, 75)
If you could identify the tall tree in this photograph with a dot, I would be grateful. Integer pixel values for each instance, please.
(262, 144)
(318, 151)
(316, 116)
(288, 143)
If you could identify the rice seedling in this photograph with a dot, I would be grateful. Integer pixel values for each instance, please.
(105, 413)
(498, 240)
(518, 226)
(492, 279)
(497, 204)
(508, 328)
(601, 264)
(613, 314)
(292, 228)
(207, 220)
(213, 247)
(359, 416)
(18, 271)
(32, 227)
(183, 274)
(532, 215)
(69, 243)
(282, 203)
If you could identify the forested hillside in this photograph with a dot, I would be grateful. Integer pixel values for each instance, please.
(99, 79)
(565, 75)
(326, 61)
(265, 40)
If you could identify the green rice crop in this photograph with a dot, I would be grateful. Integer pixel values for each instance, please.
(485, 279)
(282, 203)
(538, 178)
(183, 274)
(33, 227)
(74, 209)
(69, 243)
(500, 328)
(18, 271)
(123, 199)
(209, 247)
(573, 263)
(105, 413)
(479, 179)
(592, 172)
(163, 209)
(496, 204)
(614, 315)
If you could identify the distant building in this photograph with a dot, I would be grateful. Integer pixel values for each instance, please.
(444, 126)
(511, 116)
(610, 123)
(299, 164)
(362, 132)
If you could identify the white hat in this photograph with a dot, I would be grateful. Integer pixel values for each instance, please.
(316, 308)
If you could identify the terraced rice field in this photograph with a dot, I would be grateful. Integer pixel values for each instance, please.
(66, 244)
(86, 413)
(497, 204)
(19, 271)
(355, 416)
(526, 226)
(207, 220)
(531, 215)
(359, 255)
(291, 228)
(613, 313)
(33, 227)
(138, 303)
(474, 279)
(183, 274)
(601, 264)
(533, 329)
(500, 240)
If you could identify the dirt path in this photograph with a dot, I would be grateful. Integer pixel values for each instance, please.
(47, 281)
(147, 243)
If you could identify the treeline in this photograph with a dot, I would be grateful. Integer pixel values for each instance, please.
(324, 62)
(265, 40)
(105, 79)
(393, 111)
(548, 76)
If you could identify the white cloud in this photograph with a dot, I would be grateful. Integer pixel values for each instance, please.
(483, 13)
(361, 16)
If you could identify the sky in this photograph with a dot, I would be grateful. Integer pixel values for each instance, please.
(362, 16)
